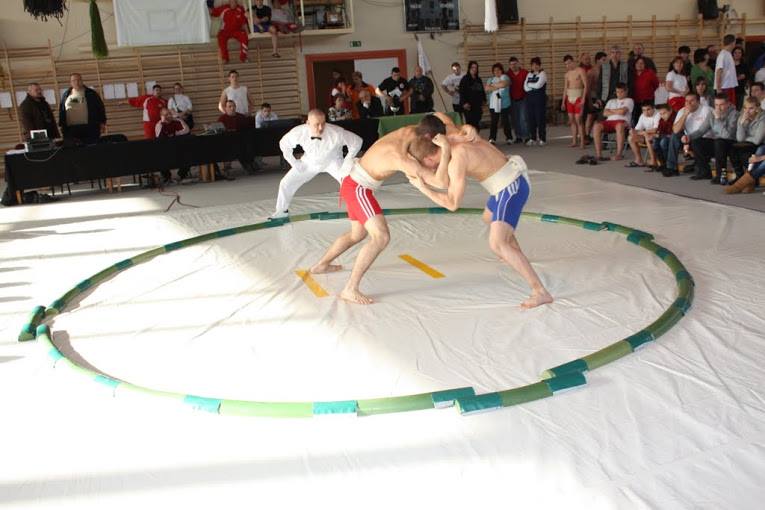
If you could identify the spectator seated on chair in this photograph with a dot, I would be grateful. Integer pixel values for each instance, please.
(368, 105)
(168, 127)
(339, 111)
(618, 112)
(265, 114)
(234, 25)
(235, 121)
(660, 144)
(751, 178)
(750, 133)
(643, 134)
(693, 121)
(724, 125)
(705, 95)
(757, 90)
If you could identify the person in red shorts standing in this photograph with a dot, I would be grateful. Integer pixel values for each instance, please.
(152, 106)
(235, 25)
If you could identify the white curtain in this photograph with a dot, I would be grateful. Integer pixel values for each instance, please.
(157, 22)
(490, 23)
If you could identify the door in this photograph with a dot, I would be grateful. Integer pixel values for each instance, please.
(323, 82)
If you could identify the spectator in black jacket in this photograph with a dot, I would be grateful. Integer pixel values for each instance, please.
(422, 92)
(35, 113)
(81, 114)
(472, 95)
(369, 106)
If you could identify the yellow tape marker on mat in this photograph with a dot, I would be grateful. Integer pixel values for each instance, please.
(422, 266)
(311, 284)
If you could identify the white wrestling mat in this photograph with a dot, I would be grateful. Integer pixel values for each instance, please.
(679, 424)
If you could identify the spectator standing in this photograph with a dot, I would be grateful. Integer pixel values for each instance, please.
(593, 103)
(613, 72)
(265, 115)
(339, 111)
(517, 77)
(152, 106)
(684, 52)
(81, 114)
(585, 61)
(169, 127)
(357, 85)
(472, 95)
(262, 24)
(712, 51)
(35, 113)
(394, 91)
(676, 84)
(701, 67)
(644, 131)
(498, 98)
(750, 133)
(724, 126)
(725, 80)
(340, 89)
(574, 92)
(692, 121)
(422, 92)
(237, 93)
(180, 105)
(759, 76)
(234, 25)
(451, 86)
(644, 85)
(742, 75)
(618, 112)
(369, 105)
(536, 102)
(637, 52)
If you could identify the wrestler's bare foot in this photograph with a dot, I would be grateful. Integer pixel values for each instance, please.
(537, 298)
(354, 296)
(325, 268)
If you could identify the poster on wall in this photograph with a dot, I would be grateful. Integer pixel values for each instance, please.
(432, 15)
(152, 22)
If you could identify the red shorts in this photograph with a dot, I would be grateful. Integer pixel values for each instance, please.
(676, 103)
(359, 201)
(609, 126)
(575, 107)
(731, 93)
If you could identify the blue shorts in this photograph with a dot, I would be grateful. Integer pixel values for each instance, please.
(266, 26)
(507, 205)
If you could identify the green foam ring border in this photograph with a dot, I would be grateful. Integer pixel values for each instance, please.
(561, 377)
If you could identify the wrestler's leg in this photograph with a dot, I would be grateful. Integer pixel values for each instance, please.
(379, 236)
(340, 246)
(503, 242)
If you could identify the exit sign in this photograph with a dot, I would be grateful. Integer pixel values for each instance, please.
(355, 44)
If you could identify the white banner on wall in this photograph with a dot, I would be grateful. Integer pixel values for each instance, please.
(157, 22)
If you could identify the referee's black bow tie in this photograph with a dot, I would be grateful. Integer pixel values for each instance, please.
(315, 138)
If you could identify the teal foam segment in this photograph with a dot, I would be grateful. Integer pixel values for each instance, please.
(565, 381)
(317, 215)
(682, 303)
(590, 225)
(275, 222)
(84, 284)
(209, 405)
(58, 304)
(331, 215)
(683, 275)
(173, 246)
(446, 398)
(638, 235)
(578, 366)
(438, 210)
(639, 338)
(227, 232)
(337, 407)
(662, 253)
(609, 226)
(27, 333)
(124, 264)
(107, 381)
(552, 218)
(479, 403)
(54, 354)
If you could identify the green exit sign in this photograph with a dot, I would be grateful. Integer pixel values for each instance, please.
(355, 44)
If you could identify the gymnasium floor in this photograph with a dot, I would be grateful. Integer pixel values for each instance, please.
(678, 424)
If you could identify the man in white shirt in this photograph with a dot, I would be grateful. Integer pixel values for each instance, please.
(451, 86)
(693, 121)
(264, 115)
(726, 79)
(618, 112)
(180, 105)
(237, 93)
(322, 144)
(644, 131)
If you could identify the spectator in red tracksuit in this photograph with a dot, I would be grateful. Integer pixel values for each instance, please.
(236, 25)
(152, 106)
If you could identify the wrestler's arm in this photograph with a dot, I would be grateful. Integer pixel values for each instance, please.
(452, 197)
(464, 133)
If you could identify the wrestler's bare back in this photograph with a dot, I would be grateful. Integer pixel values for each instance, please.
(478, 159)
(390, 154)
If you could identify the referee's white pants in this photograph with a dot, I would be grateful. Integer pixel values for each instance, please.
(300, 175)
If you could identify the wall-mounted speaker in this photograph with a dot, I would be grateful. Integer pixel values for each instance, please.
(507, 11)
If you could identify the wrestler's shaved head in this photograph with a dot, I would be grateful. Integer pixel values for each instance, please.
(430, 126)
(316, 122)
(425, 151)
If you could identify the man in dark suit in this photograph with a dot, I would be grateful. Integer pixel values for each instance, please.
(369, 106)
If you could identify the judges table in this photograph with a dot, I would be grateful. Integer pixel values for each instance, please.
(109, 160)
